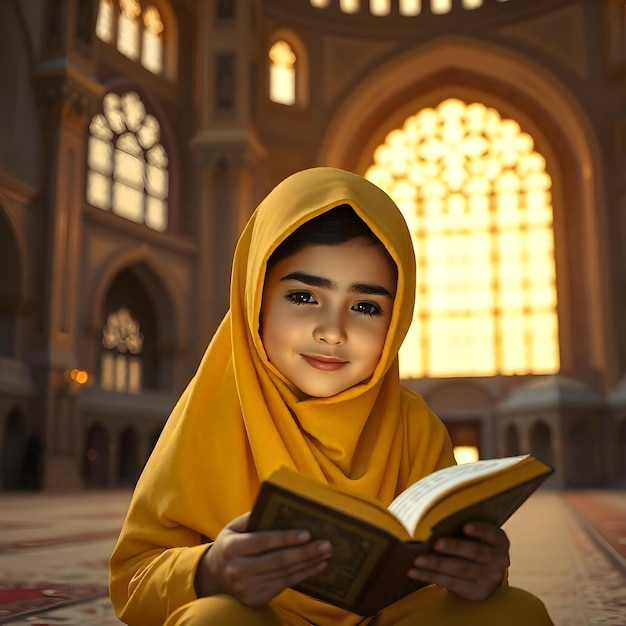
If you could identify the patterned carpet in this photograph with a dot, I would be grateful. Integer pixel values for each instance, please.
(568, 549)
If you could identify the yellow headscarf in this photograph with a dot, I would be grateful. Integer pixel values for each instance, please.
(239, 419)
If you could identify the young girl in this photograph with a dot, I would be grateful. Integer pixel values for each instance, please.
(302, 372)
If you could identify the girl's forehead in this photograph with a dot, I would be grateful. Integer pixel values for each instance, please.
(355, 261)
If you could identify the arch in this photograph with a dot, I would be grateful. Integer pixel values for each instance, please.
(455, 67)
(580, 454)
(541, 445)
(170, 41)
(11, 286)
(168, 140)
(158, 284)
(13, 448)
(19, 122)
(96, 457)
(620, 451)
(128, 466)
(171, 38)
(301, 64)
(459, 396)
(511, 441)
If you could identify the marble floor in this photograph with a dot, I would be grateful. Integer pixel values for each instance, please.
(569, 549)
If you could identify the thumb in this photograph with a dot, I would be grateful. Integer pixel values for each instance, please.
(240, 523)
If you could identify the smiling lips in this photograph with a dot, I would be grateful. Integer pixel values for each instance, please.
(324, 363)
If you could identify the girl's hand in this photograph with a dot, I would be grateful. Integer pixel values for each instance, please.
(471, 568)
(255, 567)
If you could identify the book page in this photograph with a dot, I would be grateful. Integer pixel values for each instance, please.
(414, 501)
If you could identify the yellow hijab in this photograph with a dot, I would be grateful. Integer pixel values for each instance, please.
(239, 419)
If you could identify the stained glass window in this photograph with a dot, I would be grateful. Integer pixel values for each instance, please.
(121, 366)
(136, 29)
(282, 73)
(476, 197)
(127, 167)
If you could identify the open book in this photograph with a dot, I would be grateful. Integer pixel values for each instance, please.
(374, 546)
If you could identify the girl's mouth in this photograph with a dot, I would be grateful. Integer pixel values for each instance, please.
(325, 364)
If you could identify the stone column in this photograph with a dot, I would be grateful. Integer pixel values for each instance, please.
(67, 97)
(228, 152)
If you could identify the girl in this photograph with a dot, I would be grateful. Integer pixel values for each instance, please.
(302, 372)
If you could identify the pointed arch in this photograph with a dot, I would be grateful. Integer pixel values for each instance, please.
(458, 67)
(143, 265)
(287, 69)
(145, 31)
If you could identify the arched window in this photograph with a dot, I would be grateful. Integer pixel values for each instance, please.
(136, 28)
(104, 24)
(121, 361)
(282, 73)
(127, 166)
(476, 196)
(152, 43)
(405, 7)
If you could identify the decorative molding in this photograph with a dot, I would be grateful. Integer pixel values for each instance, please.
(16, 189)
(65, 94)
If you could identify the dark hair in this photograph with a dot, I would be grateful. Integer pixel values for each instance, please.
(336, 226)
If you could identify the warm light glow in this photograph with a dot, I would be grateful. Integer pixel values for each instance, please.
(465, 454)
(282, 73)
(120, 368)
(152, 44)
(476, 197)
(408, 8)
(104, 23)
(79, 376)
(92, 454)
(138, 34)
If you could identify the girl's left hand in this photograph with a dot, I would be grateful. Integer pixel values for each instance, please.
(471, 568)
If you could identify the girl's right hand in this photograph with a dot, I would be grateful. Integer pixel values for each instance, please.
(255, 567)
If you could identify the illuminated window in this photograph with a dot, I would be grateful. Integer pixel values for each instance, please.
(152, 46)
(406, 7)
(465, 454)
(128, 28)
(282, 73)
(477, 200)
(104, 24)
(136, 29)
(121, 366)
(127, 166)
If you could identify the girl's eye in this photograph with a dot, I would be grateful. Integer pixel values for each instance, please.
(367, 308)
(300, 297)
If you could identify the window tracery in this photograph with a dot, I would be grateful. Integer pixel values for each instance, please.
(121, 365)
(127, 167)
(476, 196)
(136, 29)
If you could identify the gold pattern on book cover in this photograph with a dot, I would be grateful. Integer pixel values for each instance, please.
(355, 548)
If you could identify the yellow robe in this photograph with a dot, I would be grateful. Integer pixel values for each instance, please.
(239, 419)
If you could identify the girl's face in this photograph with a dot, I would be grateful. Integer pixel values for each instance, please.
(325, 314)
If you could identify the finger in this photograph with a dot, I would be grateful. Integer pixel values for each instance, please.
(468, 580)
(240, 523)
(256, 543)
(466, 588)
(433, 565)
(487, 533)
(289, 558)
(475, 551)
(259, 591)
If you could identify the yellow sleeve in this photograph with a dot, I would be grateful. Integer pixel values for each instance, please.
(153, 566)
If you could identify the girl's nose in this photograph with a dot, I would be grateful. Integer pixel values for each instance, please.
(330, 331)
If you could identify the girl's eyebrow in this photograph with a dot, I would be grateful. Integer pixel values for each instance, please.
(327, 283)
